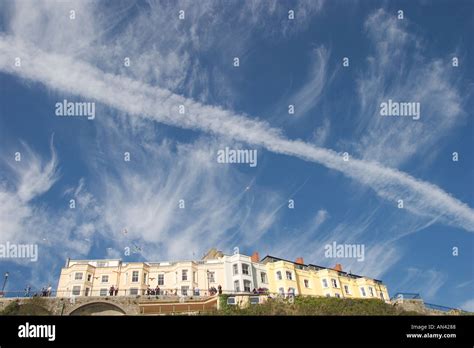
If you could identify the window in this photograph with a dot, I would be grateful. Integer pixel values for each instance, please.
(279, 275)
(291, 291)
(231, 300)
(381, 296)
(346, 289)
(328, 295)
(236, 286)
(87, 292)
(334, 283)
(134, 291)
(76, 290)
(263, 277)
(105, 279)
(338, 296)
(371, 291)
(161, 279)
(254, 300)
(184, 275)
(245, 269)
(289, 275)
(247, 285)
(184, 290)
(135, 277)
(235, 267)
(101, 264)
(144, 278)
(89, 277)
(306, 283)
(362, 291)
(281, 291)
(212, 278)
(103, 292)
(325, 283)
(78, 276)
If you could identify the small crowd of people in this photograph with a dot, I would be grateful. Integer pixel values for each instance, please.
(45, 292)
(213, 291)
(260, 291)
(113, 291)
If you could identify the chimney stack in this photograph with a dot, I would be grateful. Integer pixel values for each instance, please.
(255, 257)
(338, 267)
(299, 260)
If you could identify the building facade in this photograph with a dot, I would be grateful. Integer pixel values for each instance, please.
(232, 274)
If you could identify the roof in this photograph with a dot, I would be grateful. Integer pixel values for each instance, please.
(270, 257)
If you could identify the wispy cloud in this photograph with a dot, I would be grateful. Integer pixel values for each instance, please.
(142, 100)
(399, 70)
(425, 282)
(308, 95)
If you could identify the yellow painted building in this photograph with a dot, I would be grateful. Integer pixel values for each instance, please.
(287, 277)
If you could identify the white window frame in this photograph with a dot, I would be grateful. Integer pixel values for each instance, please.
(212, 277)
(244, 267)
(161, 279)
(324, 282)
(249, 285)
(79, 278)
(362, 291)
(334, 283)
(306, 283)
(235, 268)
(236, 285)
(263, 277)
(74, 289)
(137, 277)
(279, 275)
(289, 275)
(184, 275)
(102, 278)
(371, 291)
(103, 292)
(347, 289)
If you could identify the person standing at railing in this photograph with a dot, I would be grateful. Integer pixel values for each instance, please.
(27, 291)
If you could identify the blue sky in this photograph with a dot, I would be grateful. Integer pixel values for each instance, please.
(173, 156)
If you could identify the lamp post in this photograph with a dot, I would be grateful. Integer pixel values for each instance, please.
(5, 282)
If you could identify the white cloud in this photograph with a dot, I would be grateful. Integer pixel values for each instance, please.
(468, 305)
(138, 99)
(321, 134)
(425, 282)
(307, 97)
(398, 70)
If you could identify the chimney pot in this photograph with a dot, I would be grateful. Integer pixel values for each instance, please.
(338, 267)
(300, 261)
(255, 257)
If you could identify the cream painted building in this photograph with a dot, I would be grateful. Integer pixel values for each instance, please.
(235, 273)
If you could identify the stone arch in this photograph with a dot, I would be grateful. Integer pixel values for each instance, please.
(97, 308)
